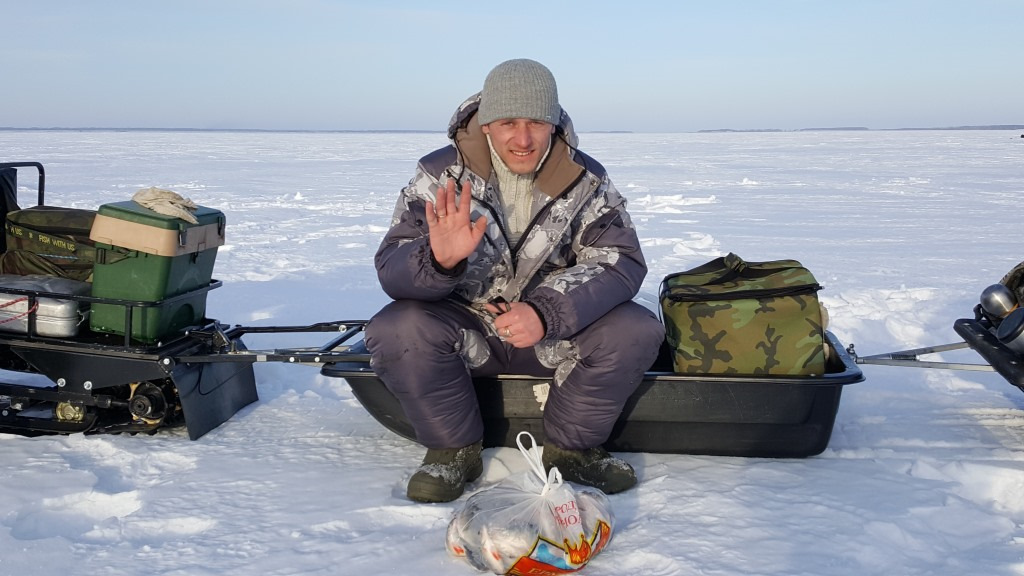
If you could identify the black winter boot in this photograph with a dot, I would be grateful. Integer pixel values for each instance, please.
(591, 467)
(443, 475)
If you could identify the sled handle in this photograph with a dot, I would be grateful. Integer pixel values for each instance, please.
(42, 176)
(910, 358)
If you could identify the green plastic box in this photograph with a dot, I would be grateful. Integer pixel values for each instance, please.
(144, 256)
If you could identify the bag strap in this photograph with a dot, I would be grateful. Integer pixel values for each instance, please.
(730, 266)
(533, 458)
(735, 267)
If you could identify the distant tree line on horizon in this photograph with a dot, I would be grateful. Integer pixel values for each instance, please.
(857, 128)
(708, 131)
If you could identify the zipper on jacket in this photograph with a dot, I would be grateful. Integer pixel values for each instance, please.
(544, 210)
(526, 231)
(494, 216)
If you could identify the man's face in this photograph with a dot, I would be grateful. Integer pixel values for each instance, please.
(520, 142)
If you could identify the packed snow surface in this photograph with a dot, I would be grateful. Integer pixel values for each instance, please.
(924, 473)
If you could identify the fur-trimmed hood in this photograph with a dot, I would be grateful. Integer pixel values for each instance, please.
(559, 171)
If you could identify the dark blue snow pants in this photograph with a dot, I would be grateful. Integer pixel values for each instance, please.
(417, 351)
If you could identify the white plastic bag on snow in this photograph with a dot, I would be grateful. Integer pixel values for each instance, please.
(532, 523)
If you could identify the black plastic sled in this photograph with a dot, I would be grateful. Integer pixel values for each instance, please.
(765, 416)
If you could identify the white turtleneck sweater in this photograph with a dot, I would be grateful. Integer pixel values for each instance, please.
(516, 191)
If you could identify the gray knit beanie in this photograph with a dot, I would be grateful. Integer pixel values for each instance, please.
(519, 89)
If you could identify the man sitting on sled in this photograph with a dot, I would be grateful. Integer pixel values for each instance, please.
(511, 252)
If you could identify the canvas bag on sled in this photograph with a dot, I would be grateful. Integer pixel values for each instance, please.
(730, 316)
(49, 240)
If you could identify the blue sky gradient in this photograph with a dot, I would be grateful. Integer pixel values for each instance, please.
(643, 66)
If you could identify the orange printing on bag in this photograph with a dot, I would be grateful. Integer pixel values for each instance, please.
(549, 559)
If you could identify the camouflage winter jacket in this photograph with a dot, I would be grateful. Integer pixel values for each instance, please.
(578, 258)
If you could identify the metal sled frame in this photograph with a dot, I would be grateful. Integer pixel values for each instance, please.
(977, 334)
(97, 383)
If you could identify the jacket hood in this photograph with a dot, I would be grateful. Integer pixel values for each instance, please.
(468, 109)
(469, 139)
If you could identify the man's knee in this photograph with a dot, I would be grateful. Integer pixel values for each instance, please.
(397, 320)
(632, 330)
(413, 331)
(646, 327)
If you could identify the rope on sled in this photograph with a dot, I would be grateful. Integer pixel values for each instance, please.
(34, 307)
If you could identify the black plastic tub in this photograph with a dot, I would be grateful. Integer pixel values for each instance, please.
(751, 416)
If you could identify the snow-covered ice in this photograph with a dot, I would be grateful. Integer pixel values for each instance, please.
(924, 473)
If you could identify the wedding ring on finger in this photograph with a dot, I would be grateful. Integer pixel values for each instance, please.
(508, 332)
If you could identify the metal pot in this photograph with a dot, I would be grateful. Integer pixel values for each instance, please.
(1011, 331)
(998, 300)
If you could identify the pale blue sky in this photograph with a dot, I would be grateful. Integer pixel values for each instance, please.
(635, 65)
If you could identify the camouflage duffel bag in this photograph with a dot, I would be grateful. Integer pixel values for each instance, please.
(50, 240)
(735, 317)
